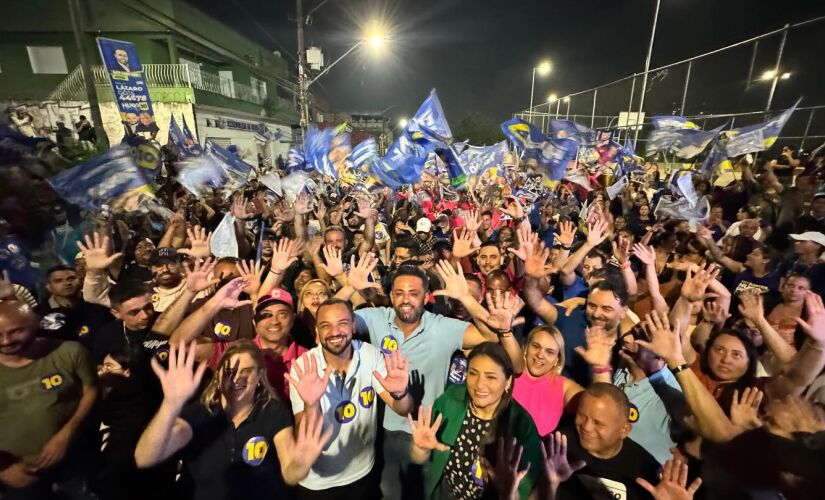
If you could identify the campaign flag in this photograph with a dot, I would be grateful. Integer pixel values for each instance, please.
(272, 181)
(224, 242)
(568, 129)
(553, 154)
(626, 157)
(680, 209)
(112, 178)
(187, 147)
(760, 137)
(682, 180)
(684, 143)
(617, 187)
(716, 160)
(430, 123)
(363, 152)
(672, 123)
(403, 164)
(236, 169)
(14, 145)
(129, 86)
(200, 174)
(316, 150)
(479, 159)
(293, 184)
(519, 131)
(296, 161)
(604, 136)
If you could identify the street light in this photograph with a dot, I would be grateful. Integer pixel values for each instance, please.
(543, 69)
(552, 98)
(785, 76)
(375, 37)
(402, 123)
(768, 75)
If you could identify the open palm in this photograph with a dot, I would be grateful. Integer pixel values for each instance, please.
(310, 386)
(424, 432)
(398, 372)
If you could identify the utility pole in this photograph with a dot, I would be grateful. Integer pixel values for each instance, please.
(88, 76)
(303, 93)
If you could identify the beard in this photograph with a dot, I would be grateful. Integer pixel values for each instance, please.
(336, 349)
(411, 317)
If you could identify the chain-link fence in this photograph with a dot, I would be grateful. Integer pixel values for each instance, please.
(739, 84)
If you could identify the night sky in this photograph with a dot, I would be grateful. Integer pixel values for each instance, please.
(478, 54)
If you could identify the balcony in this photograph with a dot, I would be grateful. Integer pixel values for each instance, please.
(171, 76)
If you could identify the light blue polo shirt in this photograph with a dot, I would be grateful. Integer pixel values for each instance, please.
(652, 429)
(429, 349)
(349, 407)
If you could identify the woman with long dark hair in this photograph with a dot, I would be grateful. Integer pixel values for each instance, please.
(470, 419)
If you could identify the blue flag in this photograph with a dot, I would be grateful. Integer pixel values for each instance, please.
(187, 147)
(363, 152)
(684, 143)
(14, 146)
(567, 129)
(402, 164)
(760, 137)
(520, 132)
(190, 138)
(553, 154)
(716, 160)
(626, 158)
(430, 123)
(672, 123)
(112, 177)
(296, 161)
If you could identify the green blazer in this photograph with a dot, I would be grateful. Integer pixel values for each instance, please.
(453, 405)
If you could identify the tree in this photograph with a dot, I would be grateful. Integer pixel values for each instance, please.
(480, 129)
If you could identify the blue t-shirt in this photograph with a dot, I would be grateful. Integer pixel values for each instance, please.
(429, 349)
(572, 329)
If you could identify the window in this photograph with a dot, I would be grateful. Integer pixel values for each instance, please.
(227, 83)
(47, 60)
(258, 87)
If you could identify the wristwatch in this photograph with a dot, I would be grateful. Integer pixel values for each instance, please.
(402, 396)
(677, 369)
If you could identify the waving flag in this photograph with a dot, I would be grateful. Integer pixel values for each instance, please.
(479, 159)
(680, 209)
(617, 187)
(672, 123)
(682, 180)
(758, 137)
(296, 161)
(567, 129)
(112, 177)
(430, 123)
(403, 164)
(553, 154)
(363, 152)
(716, 160)
(519, 131)
(626, 158)
(236, 169)
(186, 145)
(684, 143)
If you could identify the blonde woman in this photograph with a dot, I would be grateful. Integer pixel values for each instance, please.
(541, 389)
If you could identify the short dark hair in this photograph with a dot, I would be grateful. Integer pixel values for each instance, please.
(498, 274)
(126, 290)
(603, 389)
(408, 243)
(411, 271)
(474, 279)
(55, 269)
(596, 254)
(486, 212)
(489, 243)
(618, 289)
(332, 229)
(333, 301)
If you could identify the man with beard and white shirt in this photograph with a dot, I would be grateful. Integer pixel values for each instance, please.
(429, 341)
(340, 379)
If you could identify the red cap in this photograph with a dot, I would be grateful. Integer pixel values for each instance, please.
(275, 295)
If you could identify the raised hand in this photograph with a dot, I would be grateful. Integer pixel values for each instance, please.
(703, 233)
(554, 459)
(398, 373)
(364, 210)
(596, 233)
(251, 272)
(527, 241)
(310, 439)
(696, 282)
(471, 220)
(621, 249)
(359, 274)
(310, 386)
(463, 244)
(744, 411)
(455, 285)
(227, 296)
(424, 432)
(599, 348)
(514, 209)
(793, 414)
(506, 474)
(284, 254)
(181, 379)
(503, 308)
(814, 325)
(238, 208)
(199, 276)
(536, 261)
(302, 204)
(199, 243)
(97, 252)
(334, 265)
(665, 341)
(750, 306)
(712, 312)
(6, 287)
(646, 254)
(566, 234)
(321, 211)
(673, 485)
(227, 376)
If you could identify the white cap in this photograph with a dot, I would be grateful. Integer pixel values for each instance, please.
(423, 225)
(810, 236)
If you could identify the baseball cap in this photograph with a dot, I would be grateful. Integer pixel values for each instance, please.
(814, 236)
(164, 253)
(423, 225)
(819, 193)
(276, 295)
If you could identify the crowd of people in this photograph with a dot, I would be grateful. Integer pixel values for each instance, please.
(418, 343)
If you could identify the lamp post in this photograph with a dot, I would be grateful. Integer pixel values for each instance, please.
(543, 69)
(647, 69)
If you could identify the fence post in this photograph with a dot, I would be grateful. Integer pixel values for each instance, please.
(629, 108)
(753, 62)
(684, 92)
(593, 111)
(807, 128)
(776, 68)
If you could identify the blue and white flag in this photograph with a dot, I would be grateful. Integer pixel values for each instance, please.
(519, 131)
(316, 150)
(402, 164)
(236, 169)
(201, 174)
(14, 145)
(112, 178)
(190, 137)
(682, 180)
(478, 159)
(186, 145)
(224, 242)
(568, 129)
(626, 158)
(554, 155)
(672, 123)
(430, 123)
(296, 161)
(759, 137)
(684, 143)
(716, 160)
(363, 152)
(617, 187)
(670, 207)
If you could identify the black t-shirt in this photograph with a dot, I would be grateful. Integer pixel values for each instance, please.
(608, 479)
(114, 337)
(224, 462)
(74, 323)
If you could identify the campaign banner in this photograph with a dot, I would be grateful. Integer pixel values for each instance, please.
(129, 86)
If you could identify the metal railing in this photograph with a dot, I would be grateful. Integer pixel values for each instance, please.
(160, 75)
(745, 79)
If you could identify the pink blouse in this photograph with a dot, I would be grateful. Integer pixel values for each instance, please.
(543, 398)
